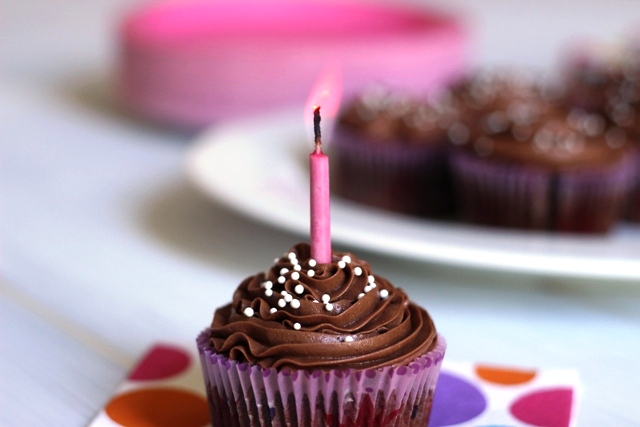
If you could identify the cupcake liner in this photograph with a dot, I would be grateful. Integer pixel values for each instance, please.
(513, 195)
(392, 175)
(493, 194)
(243, 395)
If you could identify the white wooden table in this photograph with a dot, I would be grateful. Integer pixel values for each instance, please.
(106, 248)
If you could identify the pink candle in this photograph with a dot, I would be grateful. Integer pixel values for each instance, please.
(320, 198)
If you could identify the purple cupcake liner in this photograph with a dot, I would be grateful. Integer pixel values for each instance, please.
(393, 175)
(513, 195)
(240, 394)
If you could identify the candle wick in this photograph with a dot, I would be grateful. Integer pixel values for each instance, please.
(316, 130)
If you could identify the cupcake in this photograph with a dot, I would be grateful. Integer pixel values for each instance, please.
(623, 109)
(313, 344)
(557, 170)
(389, 151)
(611, 86)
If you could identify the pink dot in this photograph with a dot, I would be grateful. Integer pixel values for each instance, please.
(545, 408)
(161, 361)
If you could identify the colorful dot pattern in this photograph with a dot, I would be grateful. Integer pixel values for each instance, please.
(153, 395)
(160, 392)
(465, 398)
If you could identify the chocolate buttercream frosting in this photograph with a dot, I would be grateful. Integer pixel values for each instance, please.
(303, 315)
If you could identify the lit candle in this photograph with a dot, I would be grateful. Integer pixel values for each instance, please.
(320, 197)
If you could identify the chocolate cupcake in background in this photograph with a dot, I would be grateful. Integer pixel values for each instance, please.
(390, 151)
(623, 109)
(556, 170)
(312, 344)
(611, 86)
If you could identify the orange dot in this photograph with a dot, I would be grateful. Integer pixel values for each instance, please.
(159, 407)
(505, 376)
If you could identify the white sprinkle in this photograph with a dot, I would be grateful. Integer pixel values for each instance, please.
(384, 293)
(275, 260)
(342, 264)
(273, 310)
(281, 303)
(458, 133)
(312, 262)
(284, 292)
(297, 326)
(328, 307)
(371, 279)
(357, 271)
(360, 295)
(295, 275)
(267, 285)
(348, 338)
(367, 289)
(346, 259)
(288, 298)
(373, 285)
(295, 303)
(284, 270)
(292, 255)
(248, 312)
(316, 301)
(297, 267)
(326, 298)
(268, 292)
(281, 279)
(294, 262)
(299, 289)
(311, 273)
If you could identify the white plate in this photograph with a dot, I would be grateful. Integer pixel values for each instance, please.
(258, 168)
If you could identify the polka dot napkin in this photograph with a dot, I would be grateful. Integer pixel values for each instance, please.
(166, 389)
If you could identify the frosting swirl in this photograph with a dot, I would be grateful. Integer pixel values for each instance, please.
(304, 315)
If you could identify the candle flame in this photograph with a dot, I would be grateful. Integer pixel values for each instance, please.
(326, 94)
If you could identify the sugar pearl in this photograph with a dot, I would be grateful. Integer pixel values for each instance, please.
(357, 271)
(297, 267)
(294, 262)
(248, 312)
(360, 295)
(295, 275)
(295, 303)
(297, 326)
(267, 285)
(292, 255)
(288, 298)
(273, 310)
(299, 289)
(281, 279)
(311, 273)
(346, 259)
(284, 270)
(312, 262)
(371, 279)
(326, 298)
(268, 292)
(348, 338)
(328, 307)
(367, 289)
(373, 285)
(281, 303)
(342, 264)
(384, 293)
